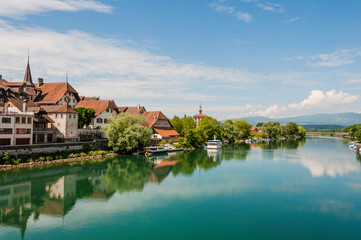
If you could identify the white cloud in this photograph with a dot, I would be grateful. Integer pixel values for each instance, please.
(242, 16)
(335, 59)
(316, 100)
(292, 20)
(108, 67)
(319, 99)
(19, 9)
(272, 7)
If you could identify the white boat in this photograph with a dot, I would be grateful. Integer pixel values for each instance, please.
(214, 144)
(156, 149)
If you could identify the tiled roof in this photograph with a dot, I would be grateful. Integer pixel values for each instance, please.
(64, 108)
(166, 132)
(200, 115)
(98, 105)
(255, 128)
(51, 93)
(152, 117)
(122, 109)
(134, 110)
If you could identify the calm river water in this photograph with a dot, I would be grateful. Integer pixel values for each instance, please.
(291, 190)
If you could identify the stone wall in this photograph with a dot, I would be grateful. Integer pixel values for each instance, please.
(47, 149)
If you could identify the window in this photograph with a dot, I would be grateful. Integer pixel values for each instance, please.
(99, 120)
(29, 120)
(61, 115)
(23, 120)
(69, 115)
(107, 110)
(23, 131)
(73, 100)
(6, 131)
(17, 120)
(56, 115)
(6, 120)
(27, 89)
(105, 120)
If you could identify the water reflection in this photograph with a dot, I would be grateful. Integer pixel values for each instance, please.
(54, 190)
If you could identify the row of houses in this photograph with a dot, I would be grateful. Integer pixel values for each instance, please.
(44, 112)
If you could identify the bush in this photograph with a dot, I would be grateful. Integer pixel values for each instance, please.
(6, 158)
(49, 158)
(16, 161)
(72, 155)
(170, 142)
(41, 159)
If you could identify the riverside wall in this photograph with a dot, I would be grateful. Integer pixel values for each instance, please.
(53, 148)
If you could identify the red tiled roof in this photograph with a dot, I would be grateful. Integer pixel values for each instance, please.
(134, 110)
(255, 128)
(122, 109)
(152, 117)
(64, 108)
(166, 132)
(53, 92)
(98, 105)
(200, 115)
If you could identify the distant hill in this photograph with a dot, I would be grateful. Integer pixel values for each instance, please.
(322, 120)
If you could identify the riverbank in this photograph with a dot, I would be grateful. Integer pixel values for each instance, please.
(4, 167)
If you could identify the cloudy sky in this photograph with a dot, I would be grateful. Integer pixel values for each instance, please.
(237, 58)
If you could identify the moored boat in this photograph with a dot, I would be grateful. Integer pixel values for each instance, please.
(214, 144)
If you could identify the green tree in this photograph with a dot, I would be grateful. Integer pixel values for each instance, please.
(85, 116)
(194, 138)
(291, 129)
(352, 129)
(272, 129)
(301, 131)
(128, 132)
(182, 125)
(243, 127)
(260, 124)
(358, 135)
(210, 127)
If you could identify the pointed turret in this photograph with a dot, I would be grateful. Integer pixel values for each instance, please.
(27, 78)
(200, 109)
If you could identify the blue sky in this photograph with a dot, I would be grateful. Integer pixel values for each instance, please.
(237, 57)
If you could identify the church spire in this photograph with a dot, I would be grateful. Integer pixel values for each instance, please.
(27, 78)
(200, 109)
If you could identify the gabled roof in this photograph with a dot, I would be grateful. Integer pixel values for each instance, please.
(51, 93)
(134, 110)
(98, 105)
(152, 117)
(122, 109)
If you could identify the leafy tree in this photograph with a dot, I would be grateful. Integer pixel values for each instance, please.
(301, 131)
(352, 129)
(210, 127)
(291, 129)
(194, 138)
(273, 129)
(182, 125)
(260, 124)
(127, 132)
(236, 130)
(244, 127)
(358, 135)
(85, 116)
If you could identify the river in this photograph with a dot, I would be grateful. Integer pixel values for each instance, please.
(306, 189)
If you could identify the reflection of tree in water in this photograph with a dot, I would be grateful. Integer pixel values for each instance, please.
(237, 151)
(190, 160)
(358, 157)
(285, 144)
(127, 175)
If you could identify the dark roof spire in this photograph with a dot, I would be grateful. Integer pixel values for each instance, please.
(200, 109)
(27, 78)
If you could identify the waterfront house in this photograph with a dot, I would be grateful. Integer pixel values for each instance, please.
(104, 109)
(161, 126)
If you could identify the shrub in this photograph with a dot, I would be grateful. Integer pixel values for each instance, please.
(72, 155)
(49, 158)
(170, 141)
(15, 161)
(41, 159)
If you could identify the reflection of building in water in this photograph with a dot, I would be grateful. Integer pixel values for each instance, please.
(15, 207)
(100, 191)
(64, 187)
(161, 170)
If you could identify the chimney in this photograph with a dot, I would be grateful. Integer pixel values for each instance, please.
(155, 117)
(25, 105)
(1, 76)
(40, 81)
(138, 106)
